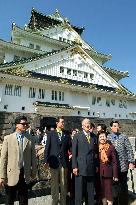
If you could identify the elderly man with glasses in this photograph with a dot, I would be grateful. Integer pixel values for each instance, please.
(17, 163)
(84, 150)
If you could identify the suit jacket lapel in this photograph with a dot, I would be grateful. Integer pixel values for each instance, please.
(15, 141)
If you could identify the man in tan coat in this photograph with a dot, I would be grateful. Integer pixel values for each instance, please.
(18, 163)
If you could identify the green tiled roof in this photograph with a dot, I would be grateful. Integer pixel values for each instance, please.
(116, 74)
(39, 20)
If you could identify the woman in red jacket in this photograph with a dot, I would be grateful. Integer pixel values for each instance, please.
(108, 168)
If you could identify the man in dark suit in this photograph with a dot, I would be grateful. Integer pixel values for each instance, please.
(56, 157)
(83, 162)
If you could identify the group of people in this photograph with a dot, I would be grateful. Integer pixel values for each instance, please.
(98, 161)
(89, 164)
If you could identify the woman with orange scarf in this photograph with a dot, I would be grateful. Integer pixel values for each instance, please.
(108, 168)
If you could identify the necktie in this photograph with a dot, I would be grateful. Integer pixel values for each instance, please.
(60, 135)
(88, 138)
(20, 141)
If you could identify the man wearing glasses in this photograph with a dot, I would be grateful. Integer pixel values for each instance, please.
(17, 163)
(84, 149)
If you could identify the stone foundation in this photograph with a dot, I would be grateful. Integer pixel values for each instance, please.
(7, 126)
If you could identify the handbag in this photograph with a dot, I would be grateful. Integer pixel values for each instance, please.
(116, 189)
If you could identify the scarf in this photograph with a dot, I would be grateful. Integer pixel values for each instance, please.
(103, 148)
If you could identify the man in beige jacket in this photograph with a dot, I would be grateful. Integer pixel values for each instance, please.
(18, 163)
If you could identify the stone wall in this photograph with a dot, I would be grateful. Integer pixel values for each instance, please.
(128, 127)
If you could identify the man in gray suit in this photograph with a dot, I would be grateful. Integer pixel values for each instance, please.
(18, 162)
(84, 150)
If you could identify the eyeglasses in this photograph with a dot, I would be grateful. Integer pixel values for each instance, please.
(23, 123)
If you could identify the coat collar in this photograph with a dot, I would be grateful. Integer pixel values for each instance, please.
(25, 139)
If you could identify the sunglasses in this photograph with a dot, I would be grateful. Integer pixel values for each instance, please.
(23, 123)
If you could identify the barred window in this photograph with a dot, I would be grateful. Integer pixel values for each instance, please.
(52, 95)
(99, 102)
(85, 75)
(93, 100)
(107, 102)
(112, 101)
(8, 89)
(55, 95)
(69, 71)
(41, 94)
(16, 58)
(62, 70)
(32, 92)
(62, 96)
(74, 72)
(17, 90)
(38, 47)
(31, 45)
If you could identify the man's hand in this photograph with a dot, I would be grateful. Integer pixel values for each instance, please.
(46, 165)
(115, 179)
(70, 157)
(2, 182)
(75, 171)
(131, 166)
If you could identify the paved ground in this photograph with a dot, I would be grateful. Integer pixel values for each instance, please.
(43, 197)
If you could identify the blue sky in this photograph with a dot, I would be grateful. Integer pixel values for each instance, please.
(109, 26)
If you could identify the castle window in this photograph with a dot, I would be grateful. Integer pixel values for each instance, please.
(31, 45)
(62, 96)
(38, 47)
(41, 93)
(99, 101)
(85, 75)
(23, 108)
(112, 101)
(91, 76)
(80, 73)
(107, 102)
(8, 89)
(32, 92)
(69, 71)
(74, 72)
(60, 38)
(17, 90)
(62, 70)
(93, 100)
(88, 113)
(5, 107)
(52, 95)
(120, 104)
(55, 95)
(125, 104)
(79, 112)
(16, 58)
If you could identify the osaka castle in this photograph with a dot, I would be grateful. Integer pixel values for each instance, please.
(49, 69)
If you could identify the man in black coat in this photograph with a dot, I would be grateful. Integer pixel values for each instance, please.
(56, 157)
(84, 147)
